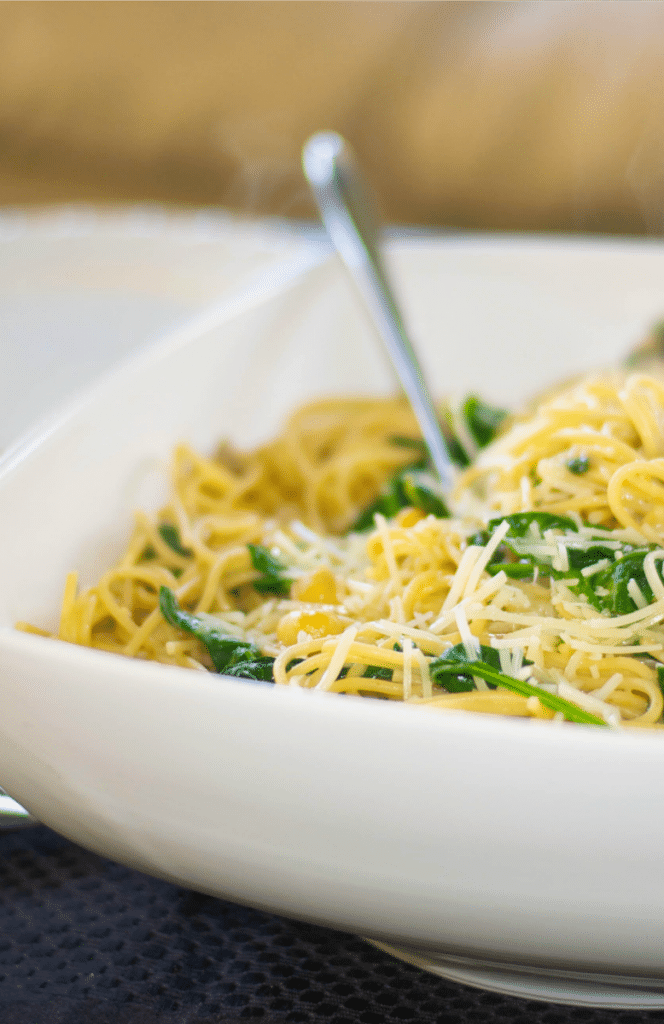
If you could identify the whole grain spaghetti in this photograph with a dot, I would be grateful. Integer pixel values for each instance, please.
(542, 592)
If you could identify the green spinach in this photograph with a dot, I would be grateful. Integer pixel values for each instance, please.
(228, 654)
(454, 670)
(409, 488)
(578, 466)
(171, 536)
(483, 421)
(607, 589)
(272, 578)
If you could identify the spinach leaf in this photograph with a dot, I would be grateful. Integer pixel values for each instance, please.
(418, 443)
(519, 527)
(458, 453)
(419, 492)
(515, 570)
(482, 420)
(660, 678)
(272, 579)
(171, 536)
(607, 589)
(616, 579)
(259, 669)
(407, 489)
(456, 663)
(520, 523)
(228, 654)
(578, 466)
(444, 670)
(377, 672)
(388, 503)
(520, 552)
(455, 684)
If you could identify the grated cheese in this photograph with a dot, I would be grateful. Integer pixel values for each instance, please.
(407, 647)
(636, 594)
(423, 665)
(572, 665)
(505, 661)
(651, 573)
(589, 703)
(484, 558)
(562, 558)
(609, 686)
(338, 658)
(388, 549)
(396, 609)
(488, 589)
(471, 643)
(582, 645)
(468, 559)
(424, 639)
(591, 570)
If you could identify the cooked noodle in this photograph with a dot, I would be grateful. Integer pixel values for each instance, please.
(394, 600)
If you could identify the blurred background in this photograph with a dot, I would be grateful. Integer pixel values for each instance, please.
(521, 116)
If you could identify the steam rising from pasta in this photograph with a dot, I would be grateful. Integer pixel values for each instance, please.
(547, 574)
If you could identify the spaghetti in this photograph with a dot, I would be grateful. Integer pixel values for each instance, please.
(543, 591)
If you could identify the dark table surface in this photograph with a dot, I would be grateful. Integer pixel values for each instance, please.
(86, 941)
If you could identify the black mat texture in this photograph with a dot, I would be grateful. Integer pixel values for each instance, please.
(86, 941)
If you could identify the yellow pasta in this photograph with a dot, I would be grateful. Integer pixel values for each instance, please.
(377, 613)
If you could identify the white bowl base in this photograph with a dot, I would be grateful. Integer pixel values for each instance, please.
(574, 988)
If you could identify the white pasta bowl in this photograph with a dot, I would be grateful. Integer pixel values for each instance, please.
(524, 856)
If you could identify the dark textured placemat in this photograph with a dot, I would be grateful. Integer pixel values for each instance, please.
(86, 941)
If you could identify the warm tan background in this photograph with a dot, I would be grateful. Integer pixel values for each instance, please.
(512, 115)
